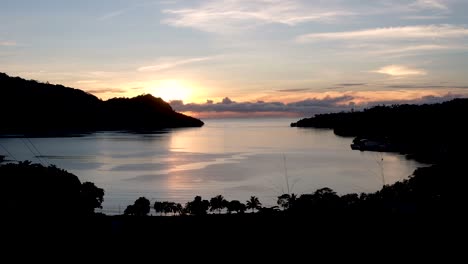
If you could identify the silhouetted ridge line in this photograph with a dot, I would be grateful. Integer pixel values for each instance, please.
(430, 133)
(31, 107)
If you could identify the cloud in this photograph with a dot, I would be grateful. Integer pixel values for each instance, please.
(352, 84)
(430, 4)
(106, 90)
(388, 33)
(424, 86)
(226, 16)
(417, 49)
(425, 17)
(428, 99)
(399, 71)
(8, 44)
(293, 90)
(86, 81)
(169, 63)
(111, 15)
(311, 106)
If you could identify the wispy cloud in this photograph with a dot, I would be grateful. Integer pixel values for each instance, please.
(430, 4)
(8, 43)
(424, 86)
(413, 49)
(400, 71)
(352, 84)
(293, 90)
(426, 17)
(169, 63)
(86, 81)
(106, 90)
(400, 33)
(112, 15)
(226, 16)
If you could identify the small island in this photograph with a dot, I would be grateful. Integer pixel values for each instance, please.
(33, 108)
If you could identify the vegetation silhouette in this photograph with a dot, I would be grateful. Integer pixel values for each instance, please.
(433, 134)
(33, 189)
(141, 207)
(218, 203)
(236, 206)
(253, 203)
(428, 133)
(285, 200)
(197, 206)
(60, 110)
(167, 207)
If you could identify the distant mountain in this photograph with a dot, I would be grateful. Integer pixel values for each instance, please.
(432, 133)
(31, 107)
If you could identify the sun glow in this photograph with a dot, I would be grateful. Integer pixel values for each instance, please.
(170, 90)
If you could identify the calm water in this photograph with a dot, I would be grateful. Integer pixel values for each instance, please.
(236, 158)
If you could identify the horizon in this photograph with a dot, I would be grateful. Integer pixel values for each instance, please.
(260, 57)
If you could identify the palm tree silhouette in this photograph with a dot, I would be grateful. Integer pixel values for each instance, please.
(218, 203)
(254, 203)
(286, 200)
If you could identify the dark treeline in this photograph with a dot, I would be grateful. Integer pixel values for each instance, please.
(33, 189)
(47, 202)
(39, 191)
(429, 133)
(431, 191)
(31, 107)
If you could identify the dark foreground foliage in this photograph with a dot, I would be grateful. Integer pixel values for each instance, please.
(34, 190)
(44, 207)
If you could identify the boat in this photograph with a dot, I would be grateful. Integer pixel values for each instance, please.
(364, 144)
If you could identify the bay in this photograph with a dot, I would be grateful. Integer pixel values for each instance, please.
(237, 158)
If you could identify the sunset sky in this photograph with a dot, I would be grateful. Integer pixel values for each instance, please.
(296, 56)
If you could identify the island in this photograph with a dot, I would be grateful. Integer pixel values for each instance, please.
(30, 108)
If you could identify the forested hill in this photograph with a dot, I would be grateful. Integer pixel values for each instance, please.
(31, 107)
(432, 132)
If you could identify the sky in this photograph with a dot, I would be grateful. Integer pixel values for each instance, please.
(237, 57)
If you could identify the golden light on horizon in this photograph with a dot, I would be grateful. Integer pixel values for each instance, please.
(170, 90)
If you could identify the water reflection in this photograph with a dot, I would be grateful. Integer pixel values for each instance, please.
(235, 158)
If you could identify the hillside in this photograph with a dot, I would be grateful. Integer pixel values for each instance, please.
(431, 133)
(31, 107)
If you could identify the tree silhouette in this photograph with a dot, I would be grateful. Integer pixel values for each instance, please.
(254, 203)
(197, 206)
(177, 208)
(141, 207)
(218, 203)
(235, 206)
(158, 207)
(91, 197)
(286, 200)
(130, 210)
(53, 190)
